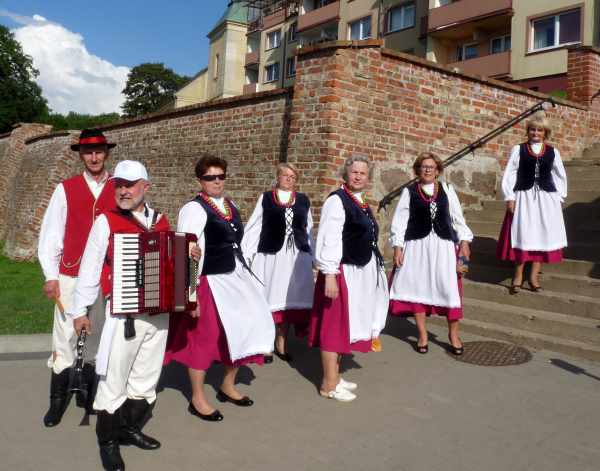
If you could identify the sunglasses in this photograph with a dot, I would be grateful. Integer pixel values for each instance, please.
(212, 178)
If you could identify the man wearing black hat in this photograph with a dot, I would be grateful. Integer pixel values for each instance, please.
(75, 204)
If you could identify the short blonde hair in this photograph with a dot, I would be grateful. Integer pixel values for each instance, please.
(286, 166)
(425, 156)
(539, 121)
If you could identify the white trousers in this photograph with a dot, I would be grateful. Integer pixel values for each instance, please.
(134, 365)
(64, 338)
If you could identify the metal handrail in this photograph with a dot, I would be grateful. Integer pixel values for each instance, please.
(387, 199)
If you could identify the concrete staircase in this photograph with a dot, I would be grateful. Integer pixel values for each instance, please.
(565, 317)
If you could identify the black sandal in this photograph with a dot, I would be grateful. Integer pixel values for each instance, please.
(534, 288)
(456, 350)
(514, 288)
(422, 349)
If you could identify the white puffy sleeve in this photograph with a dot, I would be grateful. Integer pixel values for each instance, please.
(400, 220)
(559, 175)
(88, 280)
(52, 233)
(510, 174)
(456, 215)
(252, 231)
(309, 228)
(192, 219)
(328, 254)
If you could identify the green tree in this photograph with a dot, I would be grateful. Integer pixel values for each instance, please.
(149, 87)
(79, 121)
(21, 98)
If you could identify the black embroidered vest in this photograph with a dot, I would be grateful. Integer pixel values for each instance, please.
(222, 240)
(272, 234)
(360, 232)
(420, 222)
(526, 174)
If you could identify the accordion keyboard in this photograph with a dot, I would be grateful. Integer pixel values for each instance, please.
(125, 293)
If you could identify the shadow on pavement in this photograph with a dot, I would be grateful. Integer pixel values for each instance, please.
(571, 368)
(402, 329)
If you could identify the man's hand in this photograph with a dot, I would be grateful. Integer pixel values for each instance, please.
(82, 322)
(331, 287)
(398, 257)
(465, 250)
(510, 205)
(196, 253)
(52, 289)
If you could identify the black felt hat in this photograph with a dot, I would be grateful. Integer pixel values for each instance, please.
(91, 137)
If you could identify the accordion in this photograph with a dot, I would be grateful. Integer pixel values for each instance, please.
(153, 272)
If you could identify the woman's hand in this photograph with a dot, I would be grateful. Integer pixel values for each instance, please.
(331, 287)
(398, 257)
(464, 250)
(196, 253)
(510, 206)
(195, 313)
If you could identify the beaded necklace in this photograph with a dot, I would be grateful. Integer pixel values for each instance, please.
(278, 202)
(227, 215)
(533, 154)
(362, 205)
(428, 199)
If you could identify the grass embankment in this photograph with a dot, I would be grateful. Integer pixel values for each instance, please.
(23, 307)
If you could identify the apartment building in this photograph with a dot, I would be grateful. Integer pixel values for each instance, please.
(520, 41)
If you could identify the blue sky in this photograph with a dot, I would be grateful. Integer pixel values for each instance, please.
(85, 49)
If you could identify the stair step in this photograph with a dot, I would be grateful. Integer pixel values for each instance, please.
(551, 301)
(557, 282)
(534, 320)
(575, 348)
(586, 162)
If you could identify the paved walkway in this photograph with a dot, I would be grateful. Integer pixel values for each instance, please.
(414, 412)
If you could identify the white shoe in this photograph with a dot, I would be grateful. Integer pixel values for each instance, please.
(347, 385)
(339, 394)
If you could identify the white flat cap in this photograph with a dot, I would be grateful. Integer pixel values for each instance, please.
(130, 170)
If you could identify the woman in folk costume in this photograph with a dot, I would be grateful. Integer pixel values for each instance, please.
(233, 323)
(534, 186)
(277, 240)
(351, 296)
(428, 225)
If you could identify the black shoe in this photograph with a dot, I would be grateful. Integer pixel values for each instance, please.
(107, 430)
(215, 416)
(283, 356)
(456, 350)
(133, 413)
(534, 288)
(243, 402)
(422, 349)
(268, 359)
(59, 384)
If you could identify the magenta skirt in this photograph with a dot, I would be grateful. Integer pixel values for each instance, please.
(197, 342)
(299, 318)
(504, 250)
(330, 322)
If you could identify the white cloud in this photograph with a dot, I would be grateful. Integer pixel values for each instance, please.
(71, 78)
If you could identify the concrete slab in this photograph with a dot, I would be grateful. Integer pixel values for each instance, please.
(25, 343)
(413, 413)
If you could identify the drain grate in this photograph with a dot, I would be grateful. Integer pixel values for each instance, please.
(489, 353)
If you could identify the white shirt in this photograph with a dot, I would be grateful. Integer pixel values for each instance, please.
(88, 281)
(402, 214)
(328, 253)
(559, 176)
(52, 232)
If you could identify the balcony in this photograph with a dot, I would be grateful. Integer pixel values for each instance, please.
(250, 88)
(492, 65)
(467, 11)
(252, 58)
(319, 16)
(274, 19)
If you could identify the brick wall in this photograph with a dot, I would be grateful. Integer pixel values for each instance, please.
(349, 97)
(583, 74)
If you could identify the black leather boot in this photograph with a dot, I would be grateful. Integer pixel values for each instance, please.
(107, 431)
(133, 413)
(59, 384)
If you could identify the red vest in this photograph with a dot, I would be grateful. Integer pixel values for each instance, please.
(82, 211)
(120, 224)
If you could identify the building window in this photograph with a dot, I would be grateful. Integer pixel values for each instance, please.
(290, 67)
(401, 17)
(293, 32)
(465, 52)
(273, 39)
(216, 69)
(272, 72)
(500, 44)
(360, 29)
(556, 30)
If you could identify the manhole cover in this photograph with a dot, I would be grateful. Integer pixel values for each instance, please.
(493, 354)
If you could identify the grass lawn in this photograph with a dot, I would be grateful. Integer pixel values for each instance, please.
(23, 307)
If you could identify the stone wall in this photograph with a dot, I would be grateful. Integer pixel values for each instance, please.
(349, 97)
